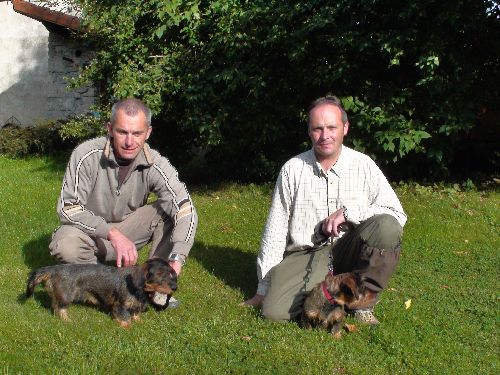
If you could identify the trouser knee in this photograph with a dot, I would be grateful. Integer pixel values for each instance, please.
(382, 231)
(376, 266)
(161, 245)
(73, 250)
(275, 312)
(371, 250)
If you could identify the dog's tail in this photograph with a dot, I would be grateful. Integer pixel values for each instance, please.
(38, 276)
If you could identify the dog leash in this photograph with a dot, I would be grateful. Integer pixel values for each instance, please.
(308, 271)
(330, 263)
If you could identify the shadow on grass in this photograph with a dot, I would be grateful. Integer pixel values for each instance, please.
(54, 163)
(36, 255)
(36, 252)
(41, 296)
(234, 267)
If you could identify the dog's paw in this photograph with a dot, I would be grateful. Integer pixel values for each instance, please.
(62, 314)
(123, 323)
(136, 317)
(337, 335)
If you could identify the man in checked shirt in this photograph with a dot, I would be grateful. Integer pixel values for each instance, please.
(315, 193)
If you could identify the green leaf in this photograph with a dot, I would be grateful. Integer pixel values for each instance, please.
(160, 31)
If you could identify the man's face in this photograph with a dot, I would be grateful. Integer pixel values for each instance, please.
(327, 131)
(128, 133)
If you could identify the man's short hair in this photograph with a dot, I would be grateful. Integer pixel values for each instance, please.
(331, 100)
(131, 106)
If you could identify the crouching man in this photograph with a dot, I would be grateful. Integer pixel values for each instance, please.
(103, 205)
(317, 193)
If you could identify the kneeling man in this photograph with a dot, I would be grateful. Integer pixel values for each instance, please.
(315, 193)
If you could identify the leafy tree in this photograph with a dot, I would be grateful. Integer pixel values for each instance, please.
(230, 80)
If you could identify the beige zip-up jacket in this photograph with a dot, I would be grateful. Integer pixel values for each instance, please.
(92, 200)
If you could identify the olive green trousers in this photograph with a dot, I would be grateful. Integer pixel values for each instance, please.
(371, 249)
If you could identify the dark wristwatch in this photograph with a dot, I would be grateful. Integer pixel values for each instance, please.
(174, 257)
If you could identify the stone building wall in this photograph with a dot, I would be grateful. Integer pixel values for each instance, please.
(65, 57)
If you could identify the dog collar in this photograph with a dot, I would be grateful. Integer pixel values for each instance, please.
(327, 294)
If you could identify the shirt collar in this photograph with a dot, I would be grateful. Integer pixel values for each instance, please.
(338, 168)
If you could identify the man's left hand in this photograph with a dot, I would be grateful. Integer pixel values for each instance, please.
(176, 266)
(331, 224)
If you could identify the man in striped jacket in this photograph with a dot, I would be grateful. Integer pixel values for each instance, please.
(103, 206)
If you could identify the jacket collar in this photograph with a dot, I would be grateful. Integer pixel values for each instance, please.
(143, 158)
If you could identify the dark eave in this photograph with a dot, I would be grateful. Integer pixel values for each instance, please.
(46, 15)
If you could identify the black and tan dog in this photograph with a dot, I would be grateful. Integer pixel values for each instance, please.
(324, 306)
(124, 292)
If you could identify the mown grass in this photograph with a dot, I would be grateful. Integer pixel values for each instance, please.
(449, 270)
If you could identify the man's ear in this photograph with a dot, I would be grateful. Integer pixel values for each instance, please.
(109, 127)
(150, 129)
(346, 127)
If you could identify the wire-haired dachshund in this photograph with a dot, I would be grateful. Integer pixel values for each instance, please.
(324, 306)
(124, 292)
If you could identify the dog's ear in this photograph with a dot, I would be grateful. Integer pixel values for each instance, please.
(145, 269)
(151, 265)
(172, 274)
(349, 286)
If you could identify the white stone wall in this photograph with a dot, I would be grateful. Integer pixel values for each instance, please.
(23, 67)
(33, 64)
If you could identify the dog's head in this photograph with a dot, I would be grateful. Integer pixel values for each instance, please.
(160, 277)
(345, 288)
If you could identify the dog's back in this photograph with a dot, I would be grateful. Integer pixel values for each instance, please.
(76, 279)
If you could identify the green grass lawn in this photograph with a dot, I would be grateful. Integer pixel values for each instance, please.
(449, 271)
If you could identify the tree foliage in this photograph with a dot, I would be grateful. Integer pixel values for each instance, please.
(230, 81)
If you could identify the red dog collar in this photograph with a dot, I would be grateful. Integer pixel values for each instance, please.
(327, 294)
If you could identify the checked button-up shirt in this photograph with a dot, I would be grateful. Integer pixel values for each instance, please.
(305, 195)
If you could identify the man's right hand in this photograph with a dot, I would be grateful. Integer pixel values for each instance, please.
(255, 301)
(125, 250)
(330, 225)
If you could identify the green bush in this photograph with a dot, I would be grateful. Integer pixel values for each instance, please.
(229, 80)
(18, 141)
(50, 138)
(82, 127)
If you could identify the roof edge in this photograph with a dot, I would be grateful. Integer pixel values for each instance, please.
(43, 14)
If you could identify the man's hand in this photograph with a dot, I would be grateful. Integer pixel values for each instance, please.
(176, 266)
(125, 250)
(255, 301)
(331, 224)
